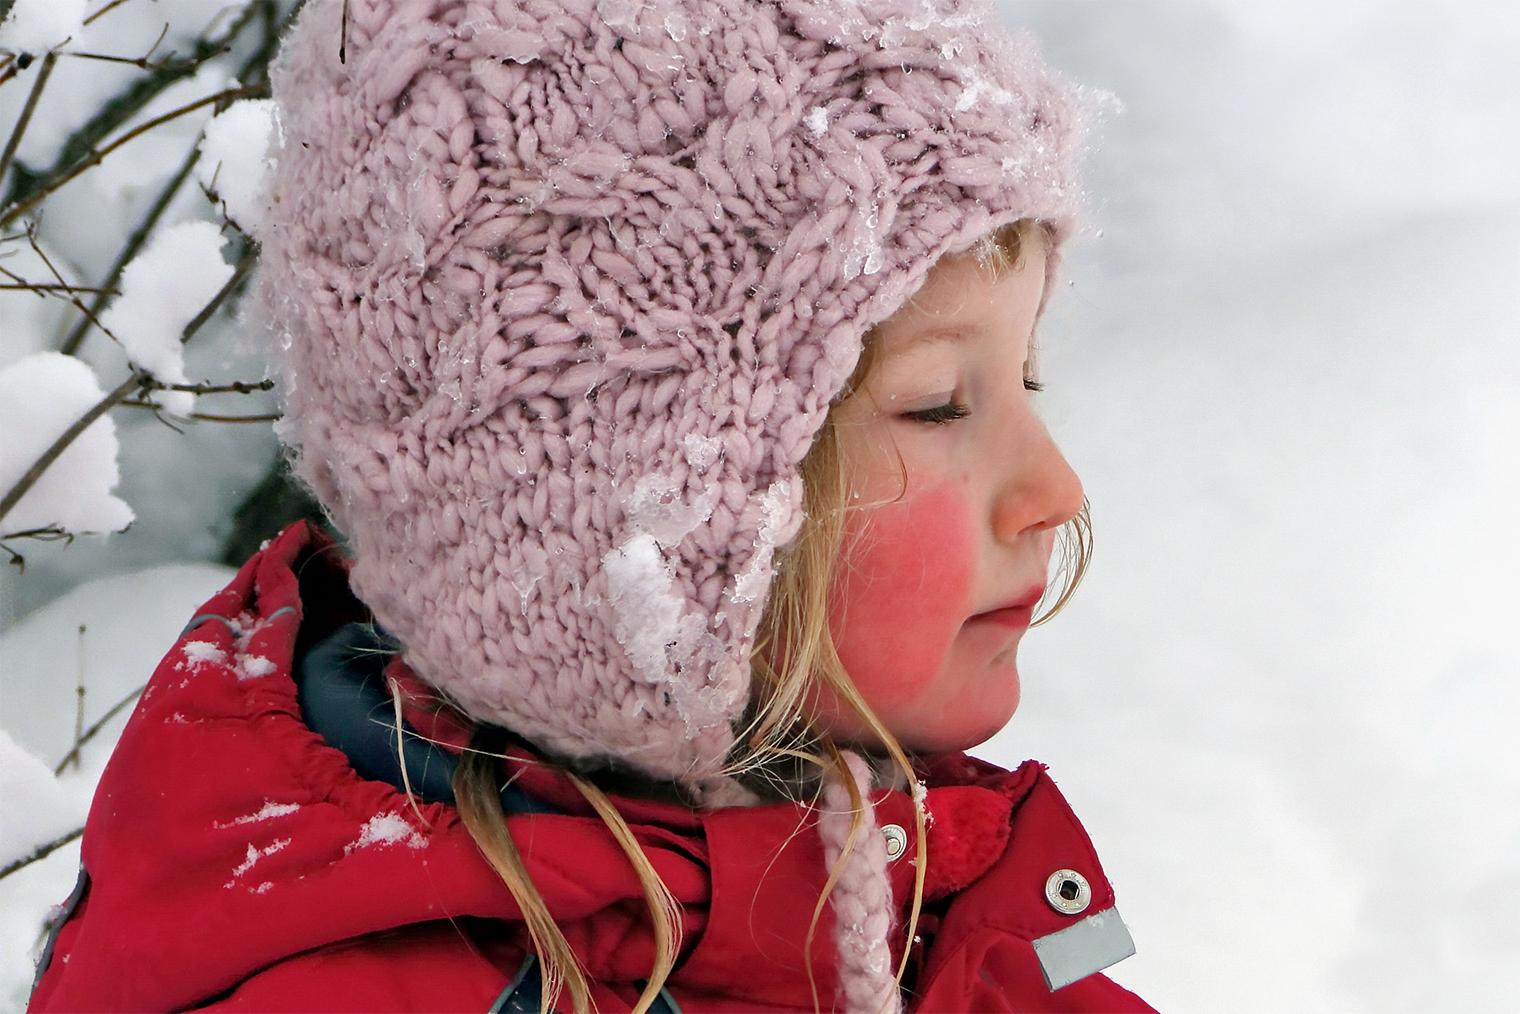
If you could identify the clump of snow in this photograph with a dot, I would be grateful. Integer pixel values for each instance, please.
(817, 120)
(268, 811)
(253, 857)
(386, 829)
(35, 807)
(162, 290)
(648, 615)
(41, 396)
(255, 666)
(701, 452)
(235, 160)
(35, 26)
(201, 652)
(774, 519)
(658, 507)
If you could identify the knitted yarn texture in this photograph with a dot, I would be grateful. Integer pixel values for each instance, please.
(562, 290)
(862, 896)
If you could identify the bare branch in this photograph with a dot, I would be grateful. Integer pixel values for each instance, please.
(245, 264)
(104, 10)
(207, 417)
(94, 730)
(31, 237)
(236, 387)
(37, 196)
(41, 852)
(43, 73)
(45, 461)
(42, 287)
(141, 62)
(120, 109)
(135, 242)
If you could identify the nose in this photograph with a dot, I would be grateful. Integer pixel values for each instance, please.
(1037, 489)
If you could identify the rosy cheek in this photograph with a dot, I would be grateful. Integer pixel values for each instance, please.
(902, 592)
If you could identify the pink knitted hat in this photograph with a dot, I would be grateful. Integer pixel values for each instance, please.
(564, 289)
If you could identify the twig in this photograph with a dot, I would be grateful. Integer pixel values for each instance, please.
(41, 852)
(20, 208)
(31, 237)
(48, 533)
(126, 104)
(207, 417)
(245, 264)
(94, 730)
(43, 73)
(135, 242)
(108, 7)
(45, 461)
(140, 62)
(78, 700)
(235, 387)
(41, 287)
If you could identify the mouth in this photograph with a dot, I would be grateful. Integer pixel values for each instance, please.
(1016, 615)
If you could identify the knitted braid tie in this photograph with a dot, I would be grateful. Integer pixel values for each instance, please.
(562, 290)
(862, 896)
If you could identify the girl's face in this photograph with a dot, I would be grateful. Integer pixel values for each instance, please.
(955, 494)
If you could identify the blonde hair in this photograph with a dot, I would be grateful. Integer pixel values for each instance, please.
(794, 652)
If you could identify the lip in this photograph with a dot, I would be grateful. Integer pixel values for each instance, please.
(1017, 614)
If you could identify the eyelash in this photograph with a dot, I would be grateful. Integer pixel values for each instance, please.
(952, 410)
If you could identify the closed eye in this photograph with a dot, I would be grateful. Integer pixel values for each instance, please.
(948, 412)
(1031, 384)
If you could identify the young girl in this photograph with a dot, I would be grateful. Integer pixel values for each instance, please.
(667, 367)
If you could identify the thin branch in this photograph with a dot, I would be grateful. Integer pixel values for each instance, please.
(140, 62)
(41, 852)
(244, 265)
(135, 242)
(235, 387)
(41, 287)
(37, 196)
(266, 417)
(107, 8)
(207, 417)
(47, 533)
(31, 238)
(43, 73)
(120, 109)
(45, 461)
(94, 730)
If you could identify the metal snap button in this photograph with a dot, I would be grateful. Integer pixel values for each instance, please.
(1068, 892)
(897, 840)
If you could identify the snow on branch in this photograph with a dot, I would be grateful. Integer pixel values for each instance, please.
(36, 26)
(42, 397)
(163, 289)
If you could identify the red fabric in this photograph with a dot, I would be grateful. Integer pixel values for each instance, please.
(237, 862)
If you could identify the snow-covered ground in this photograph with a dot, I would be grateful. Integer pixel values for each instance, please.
(1288, 370)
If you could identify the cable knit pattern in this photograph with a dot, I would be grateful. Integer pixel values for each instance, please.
(563, 289)
(862, 898)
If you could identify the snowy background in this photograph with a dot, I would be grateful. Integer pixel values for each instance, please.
(1287, 366)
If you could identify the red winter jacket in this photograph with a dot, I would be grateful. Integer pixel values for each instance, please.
(235, 861)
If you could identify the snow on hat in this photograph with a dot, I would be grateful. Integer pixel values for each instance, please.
(563, 290)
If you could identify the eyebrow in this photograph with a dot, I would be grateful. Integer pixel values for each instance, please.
(939, 336)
